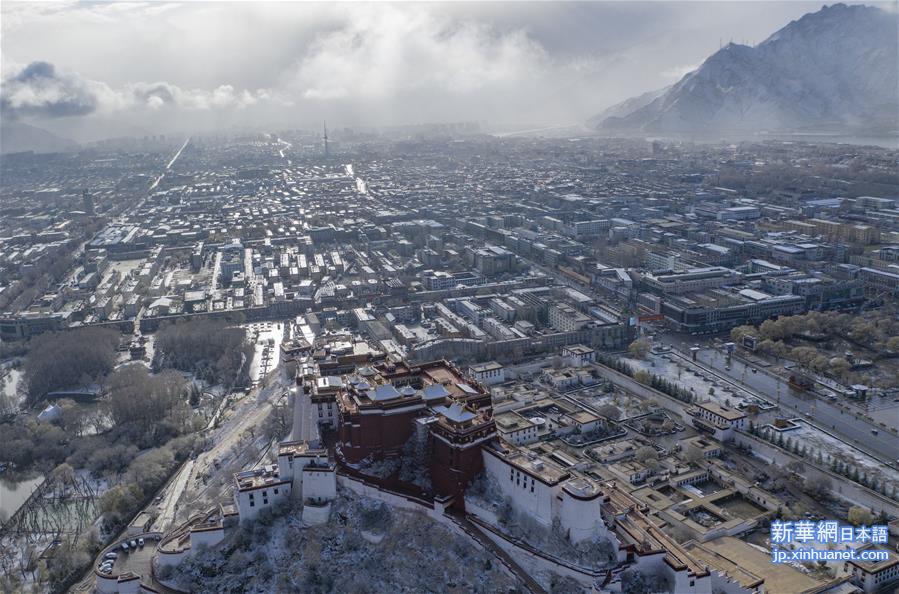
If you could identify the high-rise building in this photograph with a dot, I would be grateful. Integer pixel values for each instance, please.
(88, 201)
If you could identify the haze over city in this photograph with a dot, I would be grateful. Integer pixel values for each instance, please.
(110, 69)
(512, 297)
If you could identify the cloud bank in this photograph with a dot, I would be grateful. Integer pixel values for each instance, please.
(39, 90)
(386, 51)
(377, 54)
(177, 66)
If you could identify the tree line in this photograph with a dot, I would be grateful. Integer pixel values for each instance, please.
(213, 350)
(73, 359)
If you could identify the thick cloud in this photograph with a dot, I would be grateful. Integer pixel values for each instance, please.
(38, 90)
(160, 94)
(186, 65)
(154, 95)
(385, 51)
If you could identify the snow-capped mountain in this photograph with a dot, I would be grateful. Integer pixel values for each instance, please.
(835, 69)
(626, 107)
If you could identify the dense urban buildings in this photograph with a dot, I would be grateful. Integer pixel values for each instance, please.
(623, 320)
(587, 355)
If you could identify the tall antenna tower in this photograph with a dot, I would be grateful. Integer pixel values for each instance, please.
(325, 137)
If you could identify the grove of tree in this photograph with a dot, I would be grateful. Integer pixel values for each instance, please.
(213, 350)
(71, 359)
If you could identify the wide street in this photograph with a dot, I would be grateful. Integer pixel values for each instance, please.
(845, 423)
(884, 445)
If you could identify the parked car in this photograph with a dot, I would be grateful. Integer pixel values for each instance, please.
(140, 542)
(111, 556)
(125, 546)
(133, 544)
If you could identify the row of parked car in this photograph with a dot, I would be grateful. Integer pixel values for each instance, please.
(109, 558)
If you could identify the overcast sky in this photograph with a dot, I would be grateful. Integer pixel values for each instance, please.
(99, 69)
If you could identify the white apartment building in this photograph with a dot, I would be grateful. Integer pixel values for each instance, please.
(694, 279)
(565, 318)
(259, 489)
(578, 355)
(488, 374)
(718, 420)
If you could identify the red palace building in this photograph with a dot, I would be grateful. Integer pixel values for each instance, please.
(457, 434)
(382, 407)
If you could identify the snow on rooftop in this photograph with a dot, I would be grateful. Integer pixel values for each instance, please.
(435, 391)
(332, 381)
(754, 295)
(466, 388)
(455, 412)
(384, 392)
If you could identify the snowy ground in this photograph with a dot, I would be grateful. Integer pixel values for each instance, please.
(673, 368)
(123, 267)
(10, 380)
(238, 443)
(52, 516)
(884, 408)
(629, 405)
(366, 547)
(170, 501)
(832, 447)
(267, 348)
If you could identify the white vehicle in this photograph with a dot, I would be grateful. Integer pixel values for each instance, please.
(133, 544)
(111, 556)
(140, 542)
(125, 546)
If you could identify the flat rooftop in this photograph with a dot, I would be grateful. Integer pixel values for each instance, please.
(726, 413)
(747, 565)
(489, 366)
(531, 463)
(258, 477)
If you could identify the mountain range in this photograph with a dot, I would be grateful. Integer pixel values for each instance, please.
(17, 137)
(832, 70)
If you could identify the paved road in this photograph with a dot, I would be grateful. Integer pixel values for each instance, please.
(170, 163)
(884, 446)
(172, 496)
(250, 413)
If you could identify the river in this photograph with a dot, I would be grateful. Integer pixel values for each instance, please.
(14, 494)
